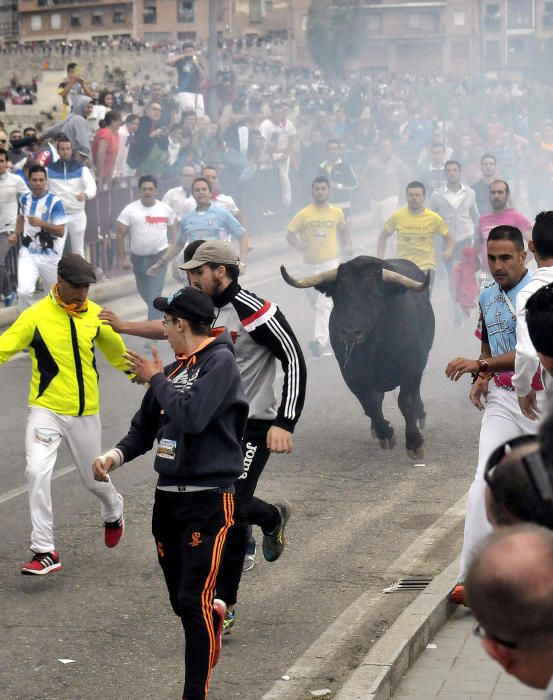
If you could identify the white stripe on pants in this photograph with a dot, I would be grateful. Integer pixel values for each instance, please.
(31, 266)
(83, 435)
(76, 227)
(502, 421)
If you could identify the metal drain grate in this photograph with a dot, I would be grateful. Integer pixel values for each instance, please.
(408, 584)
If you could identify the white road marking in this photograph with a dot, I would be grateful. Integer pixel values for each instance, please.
(23, 489)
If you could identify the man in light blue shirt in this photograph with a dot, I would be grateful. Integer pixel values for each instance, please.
(208, 222)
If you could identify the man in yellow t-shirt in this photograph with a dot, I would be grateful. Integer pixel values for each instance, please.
(416, 227)
(318, 231)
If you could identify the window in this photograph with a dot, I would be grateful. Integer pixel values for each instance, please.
(424, 21)
(548, 14)
(186, 36)
(75, 21)
(520, 14)
(36, 23)
(97, 19)
(493, 54)
(118, 16)
(459, 18)
(185, 10)
(150, 12)
(55, 21)
(518, 50)
(374, 22)
(268, 6)
(255, 11)
(492, 18)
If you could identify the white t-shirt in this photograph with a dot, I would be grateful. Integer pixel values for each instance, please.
(121, 169)
(272, 132)
(227, 202)
(11, 187)
(147, 226)
(180, 201)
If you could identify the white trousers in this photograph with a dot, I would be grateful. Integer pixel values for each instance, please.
(31, 266)
(191, 102)
(283, 167)
(83, 435)
(76, 227)
(323, 304)
(502, 421)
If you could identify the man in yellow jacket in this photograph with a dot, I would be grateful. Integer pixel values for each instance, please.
(61, 332)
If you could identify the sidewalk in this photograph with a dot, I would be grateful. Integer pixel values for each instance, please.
(458, 668)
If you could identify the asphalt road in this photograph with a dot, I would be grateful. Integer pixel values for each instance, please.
(356, 509)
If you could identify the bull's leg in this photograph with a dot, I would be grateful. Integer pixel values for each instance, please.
(380, 427)
(408, 402)
(420, 412)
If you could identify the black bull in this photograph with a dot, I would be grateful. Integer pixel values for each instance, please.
(381, 331)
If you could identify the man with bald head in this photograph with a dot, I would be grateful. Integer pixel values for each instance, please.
(509, 588)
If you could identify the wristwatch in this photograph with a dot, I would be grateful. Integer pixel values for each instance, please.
(483, 367)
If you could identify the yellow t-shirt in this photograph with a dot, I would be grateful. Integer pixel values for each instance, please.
(318, 229)
(415, 235)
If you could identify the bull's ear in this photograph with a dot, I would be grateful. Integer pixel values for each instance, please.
(326, 288)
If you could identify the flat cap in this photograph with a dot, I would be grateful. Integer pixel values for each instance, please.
(75, 269)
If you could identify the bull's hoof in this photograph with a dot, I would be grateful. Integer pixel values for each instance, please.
(388, 443)
(422, 423)
(416, 454)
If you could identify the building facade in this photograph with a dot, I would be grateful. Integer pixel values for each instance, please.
(9, 29)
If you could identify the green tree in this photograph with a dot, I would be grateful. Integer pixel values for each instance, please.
(334, 32)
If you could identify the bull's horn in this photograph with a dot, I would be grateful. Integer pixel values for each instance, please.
(396, 278)
(312, 281)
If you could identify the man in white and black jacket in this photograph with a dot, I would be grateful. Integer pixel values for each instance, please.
(196, 410)
(261, 336)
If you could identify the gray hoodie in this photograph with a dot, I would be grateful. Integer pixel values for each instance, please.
(74, 127)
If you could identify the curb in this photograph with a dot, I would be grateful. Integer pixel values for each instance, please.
(383, 668)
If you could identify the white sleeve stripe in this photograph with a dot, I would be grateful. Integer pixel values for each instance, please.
(246, 299)
(293, 365)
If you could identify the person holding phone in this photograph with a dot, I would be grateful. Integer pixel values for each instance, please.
(190, 75)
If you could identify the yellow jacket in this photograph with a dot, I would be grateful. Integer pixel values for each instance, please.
(61, 346)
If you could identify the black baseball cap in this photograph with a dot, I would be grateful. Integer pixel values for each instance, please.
(188, 303)
(75, 269)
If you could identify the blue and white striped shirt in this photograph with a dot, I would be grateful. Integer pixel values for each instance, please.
(48, 208)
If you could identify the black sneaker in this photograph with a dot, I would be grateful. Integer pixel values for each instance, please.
(274, 542)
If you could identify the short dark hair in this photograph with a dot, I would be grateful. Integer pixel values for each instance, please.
(488, 155)
(29, 128)
(63, 139)
(71, 66)
(200, 179)
(232, 270)
(507, 233)
(112, 116)
(539, 319)
(147, 178)
(507, 188)
(210, 167)
(36, 168)
(131, 118)
(187, 45)
(510, 607)
(542, 234)
(319, 179)
(4, 153)
(416, 185)
(452, 162)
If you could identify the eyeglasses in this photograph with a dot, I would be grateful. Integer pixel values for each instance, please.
(481, 633)
(166, 321)
(538, 474)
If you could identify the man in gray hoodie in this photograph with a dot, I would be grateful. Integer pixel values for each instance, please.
(74, 127)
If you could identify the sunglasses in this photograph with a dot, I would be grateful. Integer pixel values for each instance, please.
(481, 633)
(533, 464)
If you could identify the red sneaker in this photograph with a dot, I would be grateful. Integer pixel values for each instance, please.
(45, 563)
(113, 531)
(457, 595)
(220, 608)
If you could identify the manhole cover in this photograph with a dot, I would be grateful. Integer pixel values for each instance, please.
(408, 584)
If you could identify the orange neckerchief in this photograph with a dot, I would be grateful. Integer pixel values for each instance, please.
(72, 309)
(191, 359)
